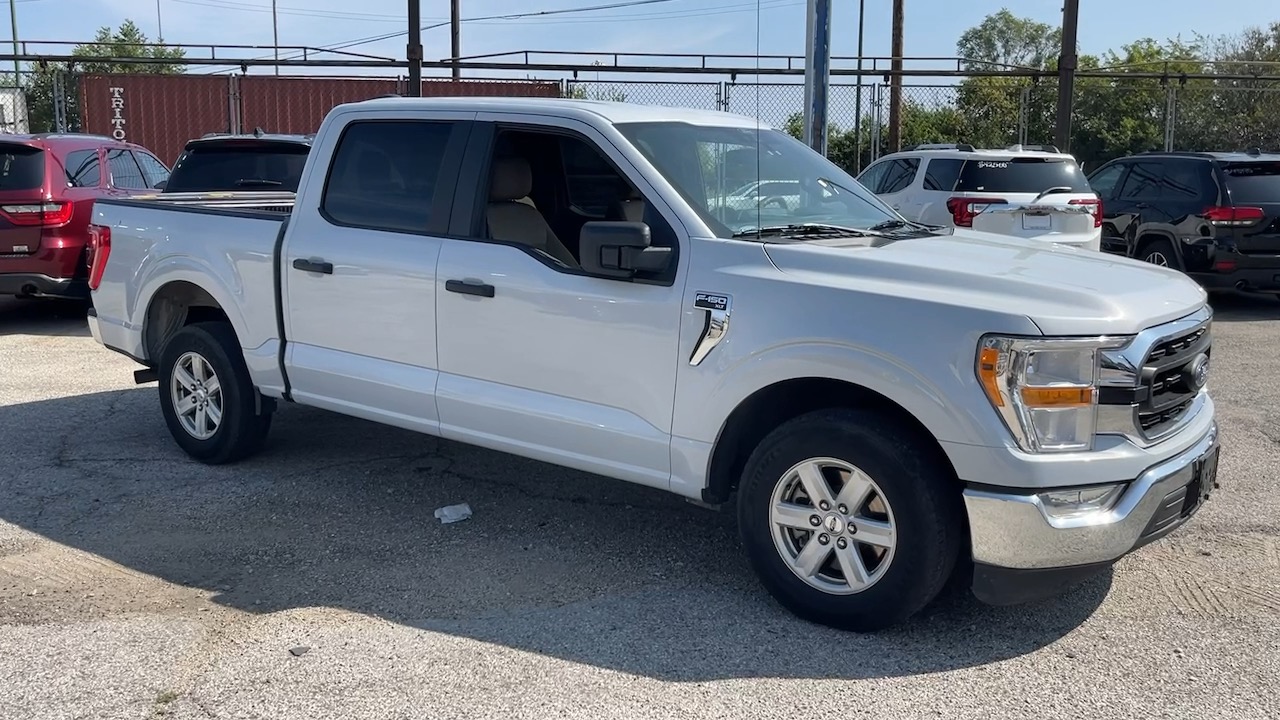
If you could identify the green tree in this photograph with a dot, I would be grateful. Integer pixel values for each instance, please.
(1005, 39)
(114, 50)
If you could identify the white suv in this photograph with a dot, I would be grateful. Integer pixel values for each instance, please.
(1033, 192)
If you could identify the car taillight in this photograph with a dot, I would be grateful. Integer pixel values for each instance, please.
(99, 251)
(43, 214)
(1234, 216)
(1097, 208)
(965, 209)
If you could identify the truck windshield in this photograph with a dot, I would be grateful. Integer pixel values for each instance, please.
(21, 167)
(1253, 182)
(739, 178)
(210, 167)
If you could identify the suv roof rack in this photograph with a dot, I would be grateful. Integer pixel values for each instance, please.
(1034, 148)
(962, 147)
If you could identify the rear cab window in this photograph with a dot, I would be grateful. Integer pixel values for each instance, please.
(1021, 175)
(1253, 182)
(21, 167)
(239, 165)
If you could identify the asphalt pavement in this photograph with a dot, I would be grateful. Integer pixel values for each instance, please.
(313, 581)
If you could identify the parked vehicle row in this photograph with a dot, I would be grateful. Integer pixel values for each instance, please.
(886, 404)
(50, 182)
(1213, 215)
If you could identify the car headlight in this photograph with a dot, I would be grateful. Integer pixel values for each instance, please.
(1045, 389)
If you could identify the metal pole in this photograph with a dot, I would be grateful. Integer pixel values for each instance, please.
(857, 100)
(159, 23)
(817, 74)
(13, 24)
(895, 81)
(413, 52)
(455, 24)
(1067, 72)
(275, 34)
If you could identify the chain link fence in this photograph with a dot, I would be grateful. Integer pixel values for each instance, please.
(1113, 115)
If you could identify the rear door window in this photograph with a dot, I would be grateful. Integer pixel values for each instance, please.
(1021, 175)
(152, 169)
(125, 172)
(21, 167)
(1253, 182)
(83, 169)
(252, 165)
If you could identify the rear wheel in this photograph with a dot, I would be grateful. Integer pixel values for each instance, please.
(849, 519)
(1159, 252)
(206, 396)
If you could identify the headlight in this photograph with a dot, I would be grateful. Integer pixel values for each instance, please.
(1045, 389)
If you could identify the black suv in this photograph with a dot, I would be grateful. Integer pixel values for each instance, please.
(1213, 215)
(229, 163)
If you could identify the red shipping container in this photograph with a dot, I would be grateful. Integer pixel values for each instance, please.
(159, 112)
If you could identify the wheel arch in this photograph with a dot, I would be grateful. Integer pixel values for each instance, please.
(768, 407)
(174, 305)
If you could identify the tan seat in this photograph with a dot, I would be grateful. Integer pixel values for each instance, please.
(513, 218)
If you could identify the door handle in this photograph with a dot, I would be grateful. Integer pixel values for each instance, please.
(315, 266)
(469, 287)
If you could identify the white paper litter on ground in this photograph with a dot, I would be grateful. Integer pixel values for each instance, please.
(453, 513)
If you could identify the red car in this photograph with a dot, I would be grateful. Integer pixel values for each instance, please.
(47, 187)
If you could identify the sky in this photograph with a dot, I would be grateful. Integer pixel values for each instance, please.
(676, 26)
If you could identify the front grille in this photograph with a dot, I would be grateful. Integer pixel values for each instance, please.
(1166, 391)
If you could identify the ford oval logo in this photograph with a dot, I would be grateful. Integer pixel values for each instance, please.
(1196, 373)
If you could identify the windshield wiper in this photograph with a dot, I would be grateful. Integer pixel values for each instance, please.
(805, 229)
(897, 223)
(258, 182)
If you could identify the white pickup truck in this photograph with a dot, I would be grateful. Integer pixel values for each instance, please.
(888, 405)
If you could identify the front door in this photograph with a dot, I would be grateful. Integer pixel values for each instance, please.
(359, 269)
(536, 357)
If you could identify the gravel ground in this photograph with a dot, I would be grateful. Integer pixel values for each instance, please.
(137, 584)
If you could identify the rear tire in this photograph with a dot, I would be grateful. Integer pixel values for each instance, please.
(893, 521)
(207, 397)
(1159, 252)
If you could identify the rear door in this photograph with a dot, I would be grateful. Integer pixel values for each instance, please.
(359, 265)
(23, 198)
(1254, 191)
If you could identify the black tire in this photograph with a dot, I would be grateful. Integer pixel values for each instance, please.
(242, 429)
(1159, 248)
(916, 483)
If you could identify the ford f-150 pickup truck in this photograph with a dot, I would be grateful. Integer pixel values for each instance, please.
(887, 405)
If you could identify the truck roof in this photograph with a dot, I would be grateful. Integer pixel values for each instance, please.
(613, 112)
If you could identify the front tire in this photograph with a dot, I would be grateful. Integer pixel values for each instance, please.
(207, 397)
(850, 519)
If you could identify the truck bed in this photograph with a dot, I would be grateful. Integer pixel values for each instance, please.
(230, 252)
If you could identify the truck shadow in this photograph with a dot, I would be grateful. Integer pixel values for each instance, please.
(62, 318)
(339, 513)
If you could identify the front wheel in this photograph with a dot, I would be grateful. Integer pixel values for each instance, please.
(849, 519)
(207, 397)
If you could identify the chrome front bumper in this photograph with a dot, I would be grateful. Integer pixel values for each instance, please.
(1013, 535)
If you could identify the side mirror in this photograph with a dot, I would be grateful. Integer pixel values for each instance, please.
(620, 249)
(161, 185)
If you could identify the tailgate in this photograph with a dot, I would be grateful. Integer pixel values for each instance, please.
(21, 198)
(1066, 221)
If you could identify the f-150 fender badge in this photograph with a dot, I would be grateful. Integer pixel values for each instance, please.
(717, 307)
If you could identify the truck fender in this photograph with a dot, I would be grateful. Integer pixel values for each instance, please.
(202, 275)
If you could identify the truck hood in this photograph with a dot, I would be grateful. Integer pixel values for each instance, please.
(1063, 290)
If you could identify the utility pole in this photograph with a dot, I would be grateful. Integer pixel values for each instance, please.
(1067, 62)
(13, 24)
(857, 100)
(455, 24)
(275, 34)
(414, 50)
(895, 81)
(817, 74)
